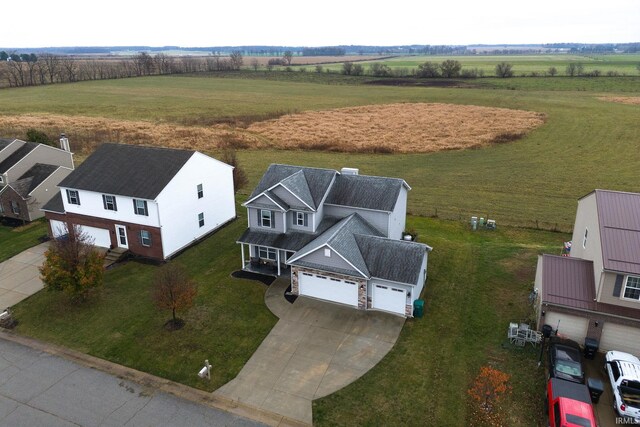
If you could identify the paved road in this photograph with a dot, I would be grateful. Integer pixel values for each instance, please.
(38, 389)
(19, 276)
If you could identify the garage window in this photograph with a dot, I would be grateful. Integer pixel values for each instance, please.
(336, 280)
(351, 283)
(320, 277)
(307, 274)
(632, 288)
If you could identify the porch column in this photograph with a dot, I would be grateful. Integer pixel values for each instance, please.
(242, 250)
(278, 261)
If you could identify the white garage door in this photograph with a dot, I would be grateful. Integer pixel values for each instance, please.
(572, 327)
(389, 298)
(100, 236)
(619, 337)
(58, 228)
(328, 288)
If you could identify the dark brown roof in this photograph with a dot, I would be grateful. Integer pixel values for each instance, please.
(619, 219)
(568, 282)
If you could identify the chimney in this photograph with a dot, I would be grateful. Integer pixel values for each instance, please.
(349, 171)
(64, 142)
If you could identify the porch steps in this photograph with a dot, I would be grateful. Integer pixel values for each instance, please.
(113, 256)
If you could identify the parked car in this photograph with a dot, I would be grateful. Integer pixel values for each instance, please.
(569, 404)
(565, 360)
(624, 374)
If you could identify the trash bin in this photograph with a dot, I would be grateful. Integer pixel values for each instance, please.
(596, 387)
(591, 346)
(547, 330)
(418, 308)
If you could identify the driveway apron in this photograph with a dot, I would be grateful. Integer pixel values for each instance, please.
(315, 349)
(19, 276)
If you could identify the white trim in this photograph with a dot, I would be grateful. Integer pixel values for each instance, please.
(340, 255)
(624, 288)
(274, 202)
(126, 237)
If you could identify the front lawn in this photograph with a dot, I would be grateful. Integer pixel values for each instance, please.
(227, 323)
(14, 240)
(478, 283)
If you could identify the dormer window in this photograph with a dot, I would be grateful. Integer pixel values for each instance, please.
(584, 240)
(327, 252)
(266, 219)
(302, 219)
(632, 288)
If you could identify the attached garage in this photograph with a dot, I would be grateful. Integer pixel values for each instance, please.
(100, 236)
(389, 298)
(621, 338)
(328, 288)
(572, 327)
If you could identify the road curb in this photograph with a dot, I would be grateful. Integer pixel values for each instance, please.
(144, 379)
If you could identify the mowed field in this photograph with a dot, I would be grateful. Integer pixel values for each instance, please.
(624, 64)
(585, 143)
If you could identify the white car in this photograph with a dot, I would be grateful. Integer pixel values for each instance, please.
(624, 374)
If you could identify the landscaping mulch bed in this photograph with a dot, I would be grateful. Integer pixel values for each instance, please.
(241, 274)
(291, 298)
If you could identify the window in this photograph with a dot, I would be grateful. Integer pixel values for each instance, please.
(1, 208)
(1, 179)
(632, 288)
(109, 202)
(200, 191)
(140, 207)
(267, 253)
(584, 240)
(327, 252)
(145, 238)
(265, 218)
(73, 197)
(15, 207)
(301, 219)
(201, 219)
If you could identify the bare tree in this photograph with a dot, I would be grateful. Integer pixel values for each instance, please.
(552, 71)
(52, 66)
(255, 64)
(288, 57)
(236, 59)
(239, 176)
(69, 69)
(504, 69)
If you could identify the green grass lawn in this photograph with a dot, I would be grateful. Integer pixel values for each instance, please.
(478, 283)
(226, 325)
(15, 240)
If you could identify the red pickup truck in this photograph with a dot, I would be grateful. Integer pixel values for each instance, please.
(569, 404)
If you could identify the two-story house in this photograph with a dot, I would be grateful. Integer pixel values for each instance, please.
(151, 201)
(29, 174)
(595, 292)
(338, 235)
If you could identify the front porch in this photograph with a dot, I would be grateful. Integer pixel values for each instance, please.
(265, 260)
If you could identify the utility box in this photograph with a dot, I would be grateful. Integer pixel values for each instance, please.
(591, 346)
(596, 387)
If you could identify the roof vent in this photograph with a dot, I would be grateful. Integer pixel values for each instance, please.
(349, 171)
(64, 142)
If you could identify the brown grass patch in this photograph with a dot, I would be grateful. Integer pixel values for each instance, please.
(630, 100)
(85, 133)
(398, 128)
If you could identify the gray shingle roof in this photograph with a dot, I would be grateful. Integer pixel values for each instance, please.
(16, 156)
(317, 181)
(619, 220)
(362, 191)
(128, 170)
(395, 260)
(290, 241)
(370, 253)
(297, 184)
(34, 176)
(55, 204)
(4, 142)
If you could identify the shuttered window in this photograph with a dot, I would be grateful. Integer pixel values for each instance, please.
(265, 218)
(302, 219)
(73, 197)
(109, 202)
(140, 207)
(632, 288)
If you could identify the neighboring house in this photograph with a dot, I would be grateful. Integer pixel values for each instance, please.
(29, 174)
(595, 292)
(338, 234)
(151, 201)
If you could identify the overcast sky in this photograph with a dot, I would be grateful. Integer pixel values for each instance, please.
(190, 23)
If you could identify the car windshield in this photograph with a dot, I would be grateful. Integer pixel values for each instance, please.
(579, 421)
(630, 392)
(567, 353)
(569, 367)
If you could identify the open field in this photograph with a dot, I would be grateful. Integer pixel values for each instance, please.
(621, 63)
(630, 100)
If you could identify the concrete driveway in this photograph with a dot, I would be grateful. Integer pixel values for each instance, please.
(19, 276)
(315, 349)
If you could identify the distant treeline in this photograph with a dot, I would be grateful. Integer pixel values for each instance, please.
(597, 48)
